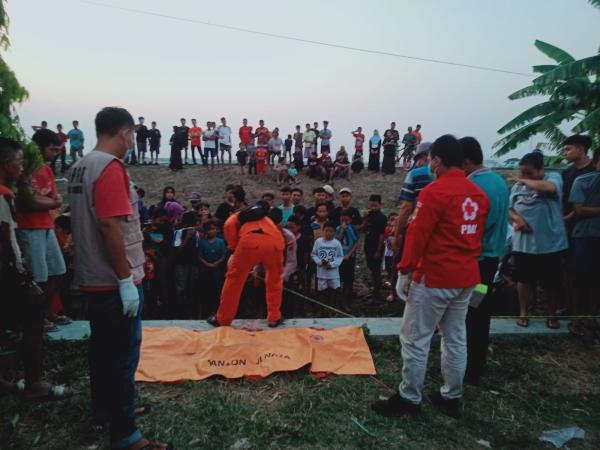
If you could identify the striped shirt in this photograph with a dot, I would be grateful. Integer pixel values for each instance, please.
(414, 183)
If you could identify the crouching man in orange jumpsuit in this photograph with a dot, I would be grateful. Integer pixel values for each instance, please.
(253, 242)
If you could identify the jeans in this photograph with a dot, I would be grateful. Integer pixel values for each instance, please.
(114, 353)
(426, 309)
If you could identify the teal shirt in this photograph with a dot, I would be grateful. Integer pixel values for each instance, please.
(586, 191)
(496, 225)
(211, 251)
(286, 213)
(75, 138)
(543, 214)
(349, 238)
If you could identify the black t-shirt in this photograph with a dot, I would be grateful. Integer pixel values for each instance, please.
(288, 145)
(141, 133)
(189, 253)
(182, 135)
(568, 177)
(154, 137)
(355, 214)
(223, 212)
(375, 224)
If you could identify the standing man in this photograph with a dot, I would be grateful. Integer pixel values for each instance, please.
(245, 133)
(442, 246)
(359, 140)
(325, 135)
(492, 248)
(390, 146)
(195, 134)
(62, 137)
(209, 136)
(418, 135)
(109, 270)
(262, 134)
(42, 126)
(184, 130)
(154, 139)
(76, 141)
(345, 197)
(374, 228)
(141, 137)
(309, 141)
(224, 133)
(315, 129)
(298, 138)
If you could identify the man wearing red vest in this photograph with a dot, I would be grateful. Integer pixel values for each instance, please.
(441, 250)
(254, 242)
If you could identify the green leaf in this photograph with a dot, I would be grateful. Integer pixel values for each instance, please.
(551, 51)
(590, 122)
(595, 3)
(530, 91)
(544, 68)
(14, 420)
(528, 115)
(576, 69)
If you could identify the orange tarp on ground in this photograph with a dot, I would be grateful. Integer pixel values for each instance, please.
(176, 354)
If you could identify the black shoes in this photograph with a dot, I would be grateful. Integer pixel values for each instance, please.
(395, 406)
(213, 321)
(449, 407)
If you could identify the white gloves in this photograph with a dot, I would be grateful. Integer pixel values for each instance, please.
(130, 296)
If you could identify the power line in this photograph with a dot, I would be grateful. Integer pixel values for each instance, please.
(306, 41)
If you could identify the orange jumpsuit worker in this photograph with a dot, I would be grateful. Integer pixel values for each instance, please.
(255, 242)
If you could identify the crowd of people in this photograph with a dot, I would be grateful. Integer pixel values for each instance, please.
(258, 149)
(460, 246)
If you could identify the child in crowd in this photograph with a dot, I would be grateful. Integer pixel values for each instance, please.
(262, 157)
(313, 165)
(203, 212)
(211, 254)
(327, 167)
(269, 198)
(349, 237)
(342, 165)
(281, 170)
(327, 254)
(185, 242)
(293, 174)
(142, 210)
(321, 216)
(374, 228)
(242, 159)
(251, 151)
(294, 225)
(150, 283)
(388, 255)
(175, 212)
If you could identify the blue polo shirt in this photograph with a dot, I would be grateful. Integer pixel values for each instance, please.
(496, 225)
(414, 183)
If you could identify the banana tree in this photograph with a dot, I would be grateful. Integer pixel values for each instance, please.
(573, 91)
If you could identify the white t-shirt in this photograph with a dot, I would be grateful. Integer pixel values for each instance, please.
(224, 135)
(210, 143)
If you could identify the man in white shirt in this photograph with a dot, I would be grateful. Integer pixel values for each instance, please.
(209, 136)
(224, 133)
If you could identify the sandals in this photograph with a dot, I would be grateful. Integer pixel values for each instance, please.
(55, 392)
(523, 322)
(553, 324)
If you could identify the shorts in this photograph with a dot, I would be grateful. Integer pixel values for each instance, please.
(225, 147)
(327, 283)
(242, 161)
(325, 148)
(42, 253)
(547, 269)
(154, 149)
(584, 257)
(141, 146)
(212, 152)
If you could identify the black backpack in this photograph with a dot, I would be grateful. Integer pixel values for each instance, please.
(252, 213)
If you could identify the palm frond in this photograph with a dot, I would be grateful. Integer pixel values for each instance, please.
(543, 68)
(532, 90)
(553, 52)
(590, 121)
(523, 134)
(595, 3)
(576, 69)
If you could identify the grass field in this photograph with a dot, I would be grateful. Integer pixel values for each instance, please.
(532, 385)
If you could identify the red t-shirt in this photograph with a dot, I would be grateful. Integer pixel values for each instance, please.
(262, 135)
(261, 155)
(246, 135)
(195, 133)
(43, 184)
(111, 192)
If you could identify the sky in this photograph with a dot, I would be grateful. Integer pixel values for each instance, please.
(75, 57)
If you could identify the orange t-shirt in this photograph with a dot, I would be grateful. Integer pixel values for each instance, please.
(43, 184)
(418, 136)
(195, 133)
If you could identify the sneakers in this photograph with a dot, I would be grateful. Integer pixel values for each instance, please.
(395, 406)
(213, 321)
(449, 407)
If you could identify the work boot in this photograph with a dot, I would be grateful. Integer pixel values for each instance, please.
(396, 405)
(450, 407)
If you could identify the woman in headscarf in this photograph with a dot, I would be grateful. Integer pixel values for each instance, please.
(374, 150)
(390, 146)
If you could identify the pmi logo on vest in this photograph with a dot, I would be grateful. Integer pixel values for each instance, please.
(469, 208)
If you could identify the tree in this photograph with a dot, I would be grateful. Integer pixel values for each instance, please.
(573, 87)
(11, 94)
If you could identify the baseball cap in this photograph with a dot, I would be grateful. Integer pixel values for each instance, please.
(423, 148)
(346, 189)
(329, 189)
(195, 197)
